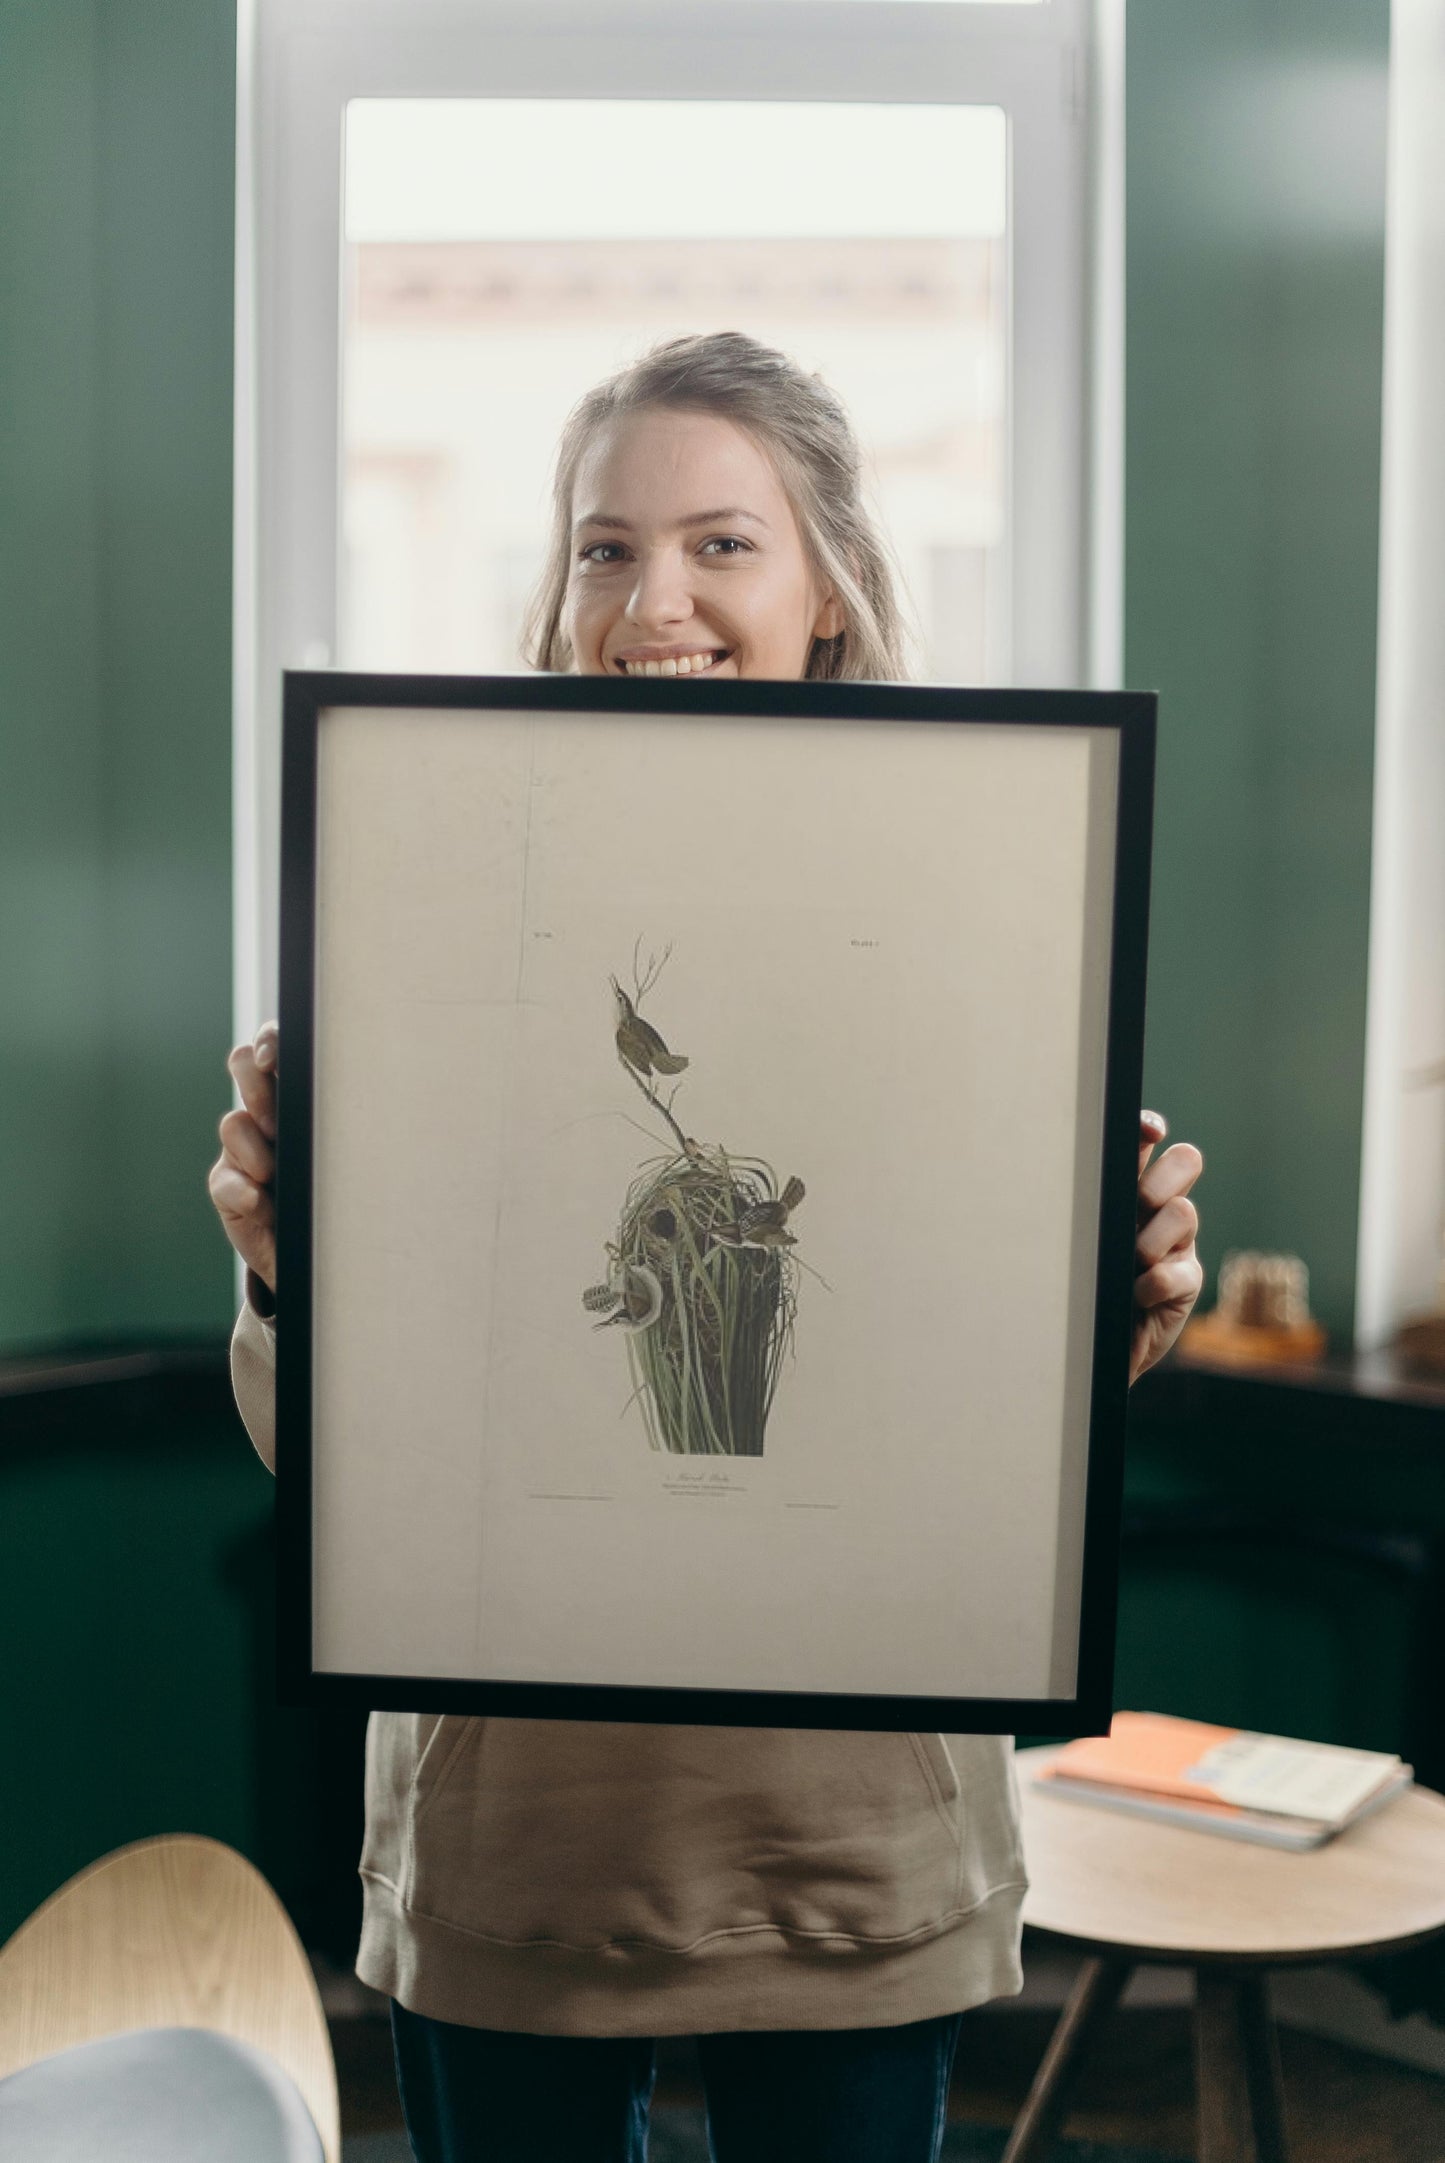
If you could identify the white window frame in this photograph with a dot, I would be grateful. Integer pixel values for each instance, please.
(1402, 1159)
(1050, 67)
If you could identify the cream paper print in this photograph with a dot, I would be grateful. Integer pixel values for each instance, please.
(885, 947)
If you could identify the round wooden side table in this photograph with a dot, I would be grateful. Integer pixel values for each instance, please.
(1126, 1890)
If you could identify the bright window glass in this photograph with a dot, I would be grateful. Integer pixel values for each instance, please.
(504, 255)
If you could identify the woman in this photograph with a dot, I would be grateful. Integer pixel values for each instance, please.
(544, 1898)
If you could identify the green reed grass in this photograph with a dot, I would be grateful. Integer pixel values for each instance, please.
(706, 1371)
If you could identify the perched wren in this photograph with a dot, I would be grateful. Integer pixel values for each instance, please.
(635, 1302)
(638, 1043)
(764, 1224)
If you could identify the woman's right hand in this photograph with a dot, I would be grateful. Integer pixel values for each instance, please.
(241, 1181)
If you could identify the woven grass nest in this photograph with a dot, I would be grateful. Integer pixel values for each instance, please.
(701, 1278)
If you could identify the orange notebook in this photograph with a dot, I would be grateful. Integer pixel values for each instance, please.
(1159, 1755)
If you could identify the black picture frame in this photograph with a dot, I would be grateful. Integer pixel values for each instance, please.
(1131, 717)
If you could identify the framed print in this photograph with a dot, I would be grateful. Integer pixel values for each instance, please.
(708, 1143)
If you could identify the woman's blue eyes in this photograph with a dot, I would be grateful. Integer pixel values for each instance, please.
(725, 544)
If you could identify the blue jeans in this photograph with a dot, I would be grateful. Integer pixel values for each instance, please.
(844, 2095)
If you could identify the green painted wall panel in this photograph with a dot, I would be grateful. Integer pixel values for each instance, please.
(53, 1043)
(167, 134)
(1293, 1641)
(1255, 266)
(137, 1600)
(117, 129)
(136, 1696)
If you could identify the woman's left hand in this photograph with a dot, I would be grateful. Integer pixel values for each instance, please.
(1168, 1273)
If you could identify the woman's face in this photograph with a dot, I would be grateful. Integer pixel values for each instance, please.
(686, 557)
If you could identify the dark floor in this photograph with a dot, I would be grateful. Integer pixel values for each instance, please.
(1343, 2106)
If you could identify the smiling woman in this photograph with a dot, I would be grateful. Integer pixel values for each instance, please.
(789, 578)
(544, 1896)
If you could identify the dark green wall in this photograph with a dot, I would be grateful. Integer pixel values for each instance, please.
(129, 1573)
(1299, 1632)
(116, 154)
(1255, 268)
(1255, 260)
(52, 902)
(137, 1606)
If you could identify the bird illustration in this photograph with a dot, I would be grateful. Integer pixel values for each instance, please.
(635, 1302)
(638, 1043)
(763, 1224)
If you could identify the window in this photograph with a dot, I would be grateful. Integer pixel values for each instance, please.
(909, 198)
(486, 290)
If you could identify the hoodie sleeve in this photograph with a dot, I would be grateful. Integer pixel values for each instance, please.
(253, 1369)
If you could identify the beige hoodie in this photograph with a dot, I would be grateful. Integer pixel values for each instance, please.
(575, 1878)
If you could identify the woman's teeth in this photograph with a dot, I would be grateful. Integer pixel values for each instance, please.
(687, 664)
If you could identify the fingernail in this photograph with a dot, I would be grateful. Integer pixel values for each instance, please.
(1156, 1119)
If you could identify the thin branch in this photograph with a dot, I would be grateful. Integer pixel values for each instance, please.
(657, 1104)
(643, 985)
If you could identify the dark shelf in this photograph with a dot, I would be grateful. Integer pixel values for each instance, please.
(1368, 1398)
(100, 1363)
(94, 1396)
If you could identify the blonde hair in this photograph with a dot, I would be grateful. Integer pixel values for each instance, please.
(804, 428)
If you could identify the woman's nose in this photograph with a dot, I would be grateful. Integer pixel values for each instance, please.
(661, 594)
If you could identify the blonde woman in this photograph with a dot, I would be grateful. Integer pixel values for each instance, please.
(543, 1899)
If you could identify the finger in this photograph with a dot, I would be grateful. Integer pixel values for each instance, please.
(256, 1086)
(237, 1197)
(267, 1046)
(1170, 1229)
(1174, 1282)
(248, 1218)
(244, 1145)
(1153, 1126)
(1173, 1173)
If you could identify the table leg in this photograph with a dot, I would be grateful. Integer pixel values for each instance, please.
(1241, 2117)
(1261, 2045)
(1096, 1992)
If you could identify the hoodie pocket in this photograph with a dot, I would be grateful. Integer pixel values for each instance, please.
(405, 1753)
(451, 1737)
(939, 1771)
(440, 1751)
(596, 1834)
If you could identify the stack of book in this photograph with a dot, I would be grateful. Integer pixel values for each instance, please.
(1269, 1788)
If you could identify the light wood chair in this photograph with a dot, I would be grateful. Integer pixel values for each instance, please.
(176, 1932)
(1126, 1890)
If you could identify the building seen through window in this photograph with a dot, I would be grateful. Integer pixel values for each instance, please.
(466, 344)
